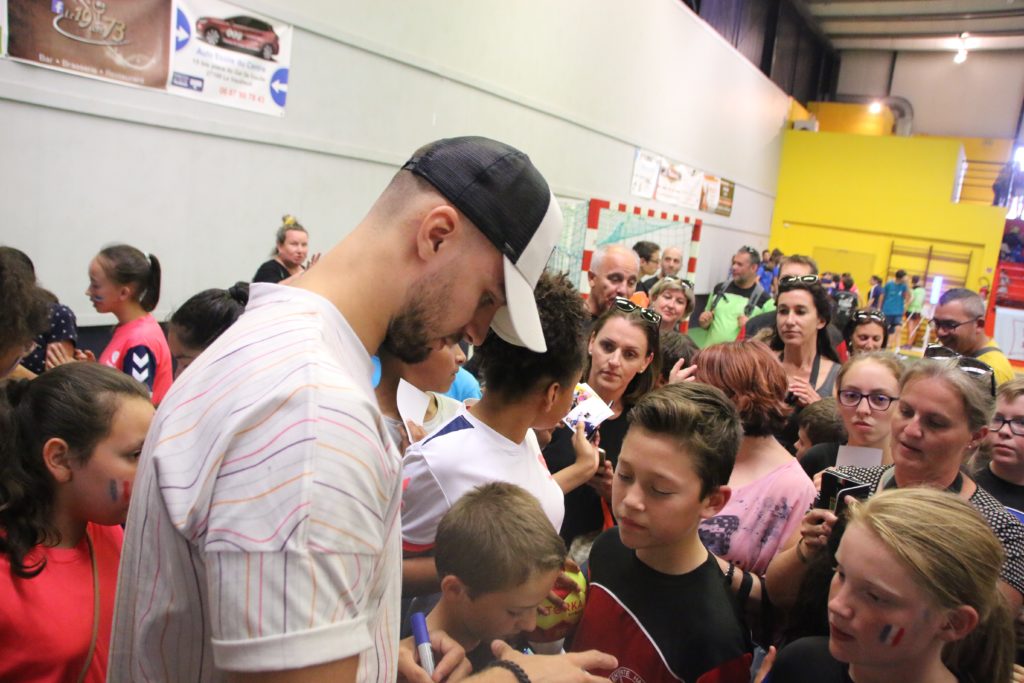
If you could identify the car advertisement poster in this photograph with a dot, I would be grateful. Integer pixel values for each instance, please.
(228, 55)
(125, 41)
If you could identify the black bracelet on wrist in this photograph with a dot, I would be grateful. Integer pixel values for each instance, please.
(516, 670)
(728, 574)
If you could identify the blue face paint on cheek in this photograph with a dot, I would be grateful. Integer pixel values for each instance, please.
(113, 490)
(890, 635)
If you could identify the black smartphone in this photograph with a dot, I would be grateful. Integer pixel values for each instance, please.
(860, 492)
(831, 484)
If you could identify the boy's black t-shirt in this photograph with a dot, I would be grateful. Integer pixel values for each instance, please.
(1010, 495)
(661, 628)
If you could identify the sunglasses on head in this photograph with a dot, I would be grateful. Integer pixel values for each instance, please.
(972, 366)
(685, 283)
(652, 317)
(793, 279)
(868, 314)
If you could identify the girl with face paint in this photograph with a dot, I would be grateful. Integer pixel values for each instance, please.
(125, 282)
(914, 598)
(69, 443)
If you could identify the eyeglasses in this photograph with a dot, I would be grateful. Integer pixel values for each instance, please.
(879, 402)
(685, 283)
(972, 366)
(647, 314)
(793, 279)
(1016, 424)
(750, 250)
(868, 314)
(950, 325)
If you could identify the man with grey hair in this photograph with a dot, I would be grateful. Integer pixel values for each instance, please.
(959, 321)
(614, 270)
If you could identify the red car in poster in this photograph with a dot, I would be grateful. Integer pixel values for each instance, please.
(242, 32)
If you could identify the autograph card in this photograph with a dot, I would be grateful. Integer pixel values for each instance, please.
(589, 407)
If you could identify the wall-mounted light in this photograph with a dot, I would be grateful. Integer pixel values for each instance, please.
(875, 108)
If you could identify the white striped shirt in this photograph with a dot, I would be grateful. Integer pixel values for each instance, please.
(264, 528)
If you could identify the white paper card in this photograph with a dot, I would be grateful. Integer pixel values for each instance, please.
(859, 456)
(589, 407)
(412, 405)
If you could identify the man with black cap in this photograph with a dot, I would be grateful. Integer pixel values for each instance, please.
(265, 537)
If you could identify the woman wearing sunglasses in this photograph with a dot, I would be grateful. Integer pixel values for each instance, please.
(942, 414)
(622, 366)
(866, 332)
(673, 299)
(867, 388)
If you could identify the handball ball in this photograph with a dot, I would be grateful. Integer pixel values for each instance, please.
(556, 623)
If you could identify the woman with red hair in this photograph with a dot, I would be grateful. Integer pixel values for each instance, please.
(770, 491)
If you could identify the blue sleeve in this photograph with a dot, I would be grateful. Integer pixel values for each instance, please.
(139, 362)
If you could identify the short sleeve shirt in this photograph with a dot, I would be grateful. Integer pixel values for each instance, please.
(139, 350)
(460, 456)
(264, 534)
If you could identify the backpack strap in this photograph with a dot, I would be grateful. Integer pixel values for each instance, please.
(719, 295)
(755, 296)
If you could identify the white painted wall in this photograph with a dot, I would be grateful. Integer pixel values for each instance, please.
(979, 98)
(576, 84)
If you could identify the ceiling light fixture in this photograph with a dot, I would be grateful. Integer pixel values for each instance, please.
(961, 54)
(875, 108)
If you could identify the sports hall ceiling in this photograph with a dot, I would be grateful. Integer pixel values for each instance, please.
(904, 25)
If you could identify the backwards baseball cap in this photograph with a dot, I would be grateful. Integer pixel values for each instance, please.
(504, 195)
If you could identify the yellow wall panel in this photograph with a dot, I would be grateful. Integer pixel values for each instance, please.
(863, 194)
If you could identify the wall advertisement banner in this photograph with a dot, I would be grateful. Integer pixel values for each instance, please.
(124, 41)
(230, 56)
(656, 177)
(203, 49)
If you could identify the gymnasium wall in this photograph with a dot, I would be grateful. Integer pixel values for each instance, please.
(577, 84)
(873, 204)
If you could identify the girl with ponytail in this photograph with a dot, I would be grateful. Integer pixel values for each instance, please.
(914, 598)
(125, 282)
(201, 319)
(69, 443)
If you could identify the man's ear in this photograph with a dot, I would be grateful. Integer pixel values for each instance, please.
(437, 226)
(57, 457)
(715, 501)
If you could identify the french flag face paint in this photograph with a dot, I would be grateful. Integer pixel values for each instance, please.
(890, 635)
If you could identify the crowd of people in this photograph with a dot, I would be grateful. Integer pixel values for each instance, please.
(774, 493)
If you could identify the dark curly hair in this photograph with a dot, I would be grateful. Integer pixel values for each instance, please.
(753, 379)
(823, 305)
(513, 371)
(24, 306)
(74, 402)
(206, 315)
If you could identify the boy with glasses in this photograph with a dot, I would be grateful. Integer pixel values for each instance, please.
(1003, 474)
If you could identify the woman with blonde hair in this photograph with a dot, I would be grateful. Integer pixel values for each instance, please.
(943, 413)
(673, 298)
(914, 598)
(289, 254)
